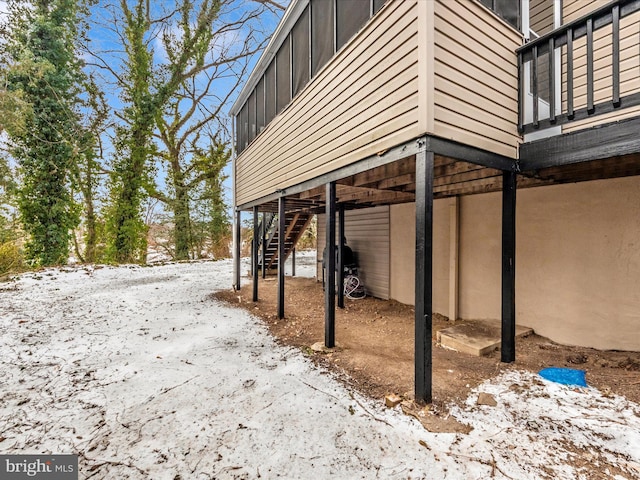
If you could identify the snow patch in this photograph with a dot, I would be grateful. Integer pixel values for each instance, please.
(144, 375)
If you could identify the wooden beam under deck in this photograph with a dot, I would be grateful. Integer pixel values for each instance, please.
(402, 181)
(620, 166)
(601, 142)
(369, 195)
(370, 178)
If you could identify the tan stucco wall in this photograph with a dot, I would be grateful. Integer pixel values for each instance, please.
(480, 256)
(402, 268)
(578, 264)
(577, 261)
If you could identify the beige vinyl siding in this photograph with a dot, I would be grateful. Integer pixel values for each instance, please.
(574, 9)
(629, 61)
(364, 101)
(367, 232)
(476, 77)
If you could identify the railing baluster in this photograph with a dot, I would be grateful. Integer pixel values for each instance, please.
(570, 112)
(552, 80)
(590, 106)
(615, 78)
(531, 86)
(521, 92)
(534, 84)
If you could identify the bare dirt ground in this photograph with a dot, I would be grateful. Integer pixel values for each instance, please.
(375, 348)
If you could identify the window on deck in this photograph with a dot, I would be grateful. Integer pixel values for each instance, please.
(270, 93)
(283, 76)
(351, 15)
(260, 123)
(300, 48)
(244, 128)
(252, 116)
(322, 34)
(322, 29)
(377, 5)
(509, 10)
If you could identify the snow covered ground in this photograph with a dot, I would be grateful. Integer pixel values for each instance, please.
(140, 372)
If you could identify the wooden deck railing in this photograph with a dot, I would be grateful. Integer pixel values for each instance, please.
(577, 71)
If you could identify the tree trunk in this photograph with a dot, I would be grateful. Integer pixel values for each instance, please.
(182, 222)
(90, 215)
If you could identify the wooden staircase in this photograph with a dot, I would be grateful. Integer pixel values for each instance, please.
(296, 224)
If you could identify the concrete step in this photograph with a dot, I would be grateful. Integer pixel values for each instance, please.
(478, 337)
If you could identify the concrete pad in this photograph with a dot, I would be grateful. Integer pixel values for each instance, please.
(476, 338)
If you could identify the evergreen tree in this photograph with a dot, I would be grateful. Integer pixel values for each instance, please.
(44, 71)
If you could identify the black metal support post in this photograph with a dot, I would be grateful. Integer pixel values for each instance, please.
(508, 349)
(264, 245)
(521, 92)
(236, 283)
(424, 276)
(293, 262)
(281, 234)
(341, 256)
(330, 263)
(254, 253)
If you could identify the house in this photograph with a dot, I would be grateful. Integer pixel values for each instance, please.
(481, 156)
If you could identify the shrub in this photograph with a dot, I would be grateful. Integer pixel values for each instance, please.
(11, 258)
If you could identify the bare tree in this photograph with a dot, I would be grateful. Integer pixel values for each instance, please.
(177, 70)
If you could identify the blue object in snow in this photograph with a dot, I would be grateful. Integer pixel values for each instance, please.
(566, 376)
